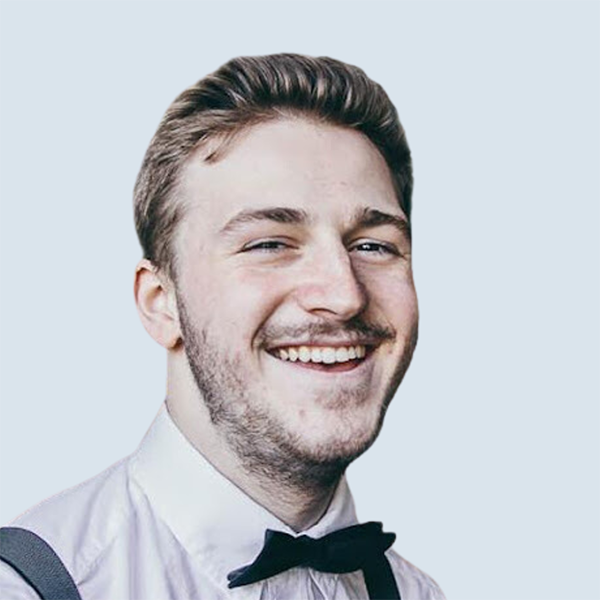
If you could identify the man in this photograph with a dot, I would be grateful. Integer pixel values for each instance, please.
(273, 210)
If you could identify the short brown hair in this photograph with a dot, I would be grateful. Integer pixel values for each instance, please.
(247, 91)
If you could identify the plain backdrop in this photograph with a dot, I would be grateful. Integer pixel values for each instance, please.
(488, 466)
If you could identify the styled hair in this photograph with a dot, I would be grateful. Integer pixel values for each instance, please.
(244, 92)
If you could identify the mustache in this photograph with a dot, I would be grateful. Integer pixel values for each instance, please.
(356, 327)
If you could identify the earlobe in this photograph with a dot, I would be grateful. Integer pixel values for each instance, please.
(156, 304)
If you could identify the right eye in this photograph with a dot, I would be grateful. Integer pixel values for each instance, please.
(265, 246)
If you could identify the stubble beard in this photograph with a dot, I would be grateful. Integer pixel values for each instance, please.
(264, 447)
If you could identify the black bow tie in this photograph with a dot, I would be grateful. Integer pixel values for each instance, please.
(343, 551)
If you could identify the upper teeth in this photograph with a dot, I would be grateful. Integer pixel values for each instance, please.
(327, 355)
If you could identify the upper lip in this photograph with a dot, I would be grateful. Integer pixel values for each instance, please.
(324, 343)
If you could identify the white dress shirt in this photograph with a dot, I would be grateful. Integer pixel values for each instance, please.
(164, 524)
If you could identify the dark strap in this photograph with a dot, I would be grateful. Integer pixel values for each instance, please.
(37, 563)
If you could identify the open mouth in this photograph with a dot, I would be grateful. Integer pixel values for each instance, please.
(324, 358)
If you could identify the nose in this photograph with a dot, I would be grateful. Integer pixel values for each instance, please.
(330, 288)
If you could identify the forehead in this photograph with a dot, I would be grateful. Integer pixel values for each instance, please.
(325, 170)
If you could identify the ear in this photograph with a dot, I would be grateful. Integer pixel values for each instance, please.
(156, 304)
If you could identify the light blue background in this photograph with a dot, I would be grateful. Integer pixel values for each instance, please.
(488, 466)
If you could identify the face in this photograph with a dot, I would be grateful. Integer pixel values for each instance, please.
(295, 293)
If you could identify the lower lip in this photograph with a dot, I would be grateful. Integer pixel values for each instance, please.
(349, 365)
(332, 368)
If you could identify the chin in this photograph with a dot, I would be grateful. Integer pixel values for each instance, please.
(308, 452)
(340, 436)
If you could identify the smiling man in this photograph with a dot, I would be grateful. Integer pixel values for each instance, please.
(273, 209)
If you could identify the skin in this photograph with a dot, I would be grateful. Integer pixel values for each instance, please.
(248, 284)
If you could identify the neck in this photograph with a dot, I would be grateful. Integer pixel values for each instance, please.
(295, 492)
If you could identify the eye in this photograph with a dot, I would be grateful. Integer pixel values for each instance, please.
(265, 246)
(375, 248)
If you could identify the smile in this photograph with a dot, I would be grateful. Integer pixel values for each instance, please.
(326, 359)
(321, 354)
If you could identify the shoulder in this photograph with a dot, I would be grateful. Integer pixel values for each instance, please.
(81, 522)
(415, 585)
(12, 585)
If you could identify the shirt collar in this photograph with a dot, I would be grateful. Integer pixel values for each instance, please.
(210, 516)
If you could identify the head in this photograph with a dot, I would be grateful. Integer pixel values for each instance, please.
(248, 91)
(273, 209)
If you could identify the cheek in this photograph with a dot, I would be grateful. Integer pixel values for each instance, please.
(238, 303)
(394, 297)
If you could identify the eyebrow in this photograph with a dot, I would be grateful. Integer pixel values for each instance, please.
(364, 218)
(291, 216)
(371, 217)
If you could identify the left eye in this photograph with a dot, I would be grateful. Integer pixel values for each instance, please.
(375, 247)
